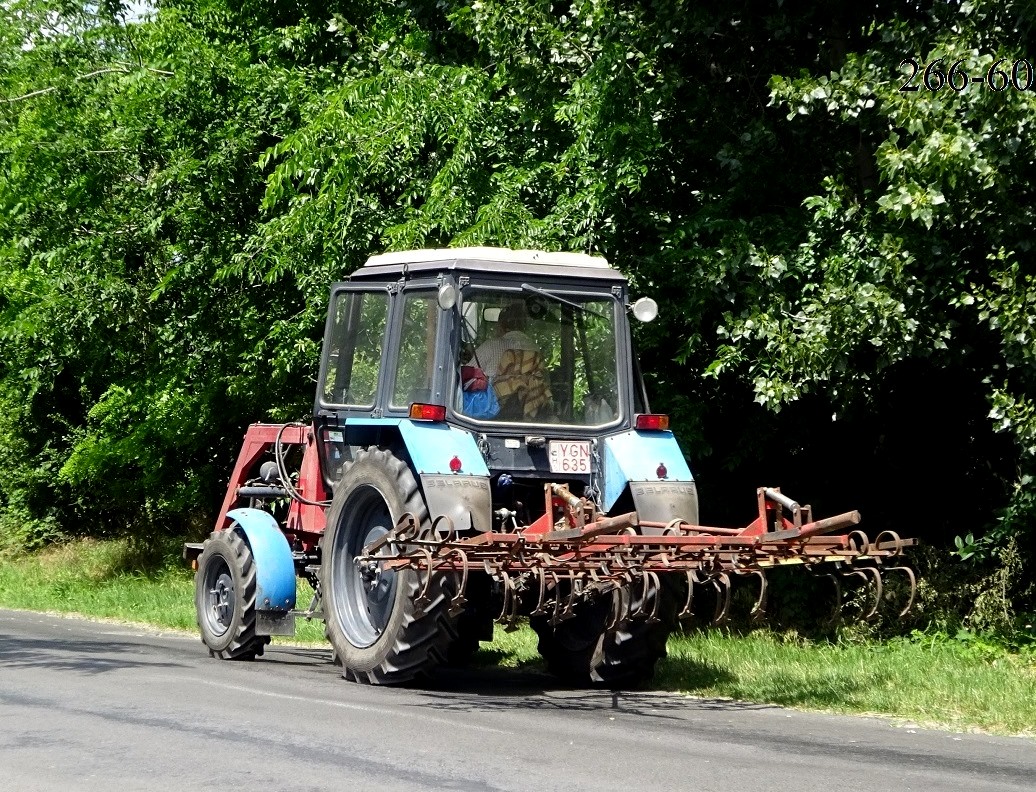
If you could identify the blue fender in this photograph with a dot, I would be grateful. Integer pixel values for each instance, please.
(274, 565)
(633, 457)
(432, 445)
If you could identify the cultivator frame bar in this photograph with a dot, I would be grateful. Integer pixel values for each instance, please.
(547, 568)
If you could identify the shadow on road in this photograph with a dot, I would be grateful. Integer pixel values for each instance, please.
(88, 657)
(481, 689)
(489, 687)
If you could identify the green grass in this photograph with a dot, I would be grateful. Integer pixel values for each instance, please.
(90, 578)
(959, 683)
(932, 681)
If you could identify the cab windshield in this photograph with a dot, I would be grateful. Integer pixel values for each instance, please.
(539, 357)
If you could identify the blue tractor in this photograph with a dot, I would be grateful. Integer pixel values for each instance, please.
(482, 449)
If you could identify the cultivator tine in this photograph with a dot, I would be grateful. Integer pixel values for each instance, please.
(912, 580)
(459, 600)
(836, 611)
(541, 597)
(875, 574)
(651, 590)
(869, 575)
(405, 530)
(858, 542)
(422, 600)
(620, 609)
(759, 608)
(447, 536)
(568, 612)
(555, 617)
(891, 544)
(509, 612)
(722, 584)
(686, 613)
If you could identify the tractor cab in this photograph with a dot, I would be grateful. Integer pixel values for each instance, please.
(526, 354)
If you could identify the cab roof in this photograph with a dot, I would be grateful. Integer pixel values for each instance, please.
(489, 259)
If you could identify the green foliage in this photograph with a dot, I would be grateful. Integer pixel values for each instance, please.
(845, 268)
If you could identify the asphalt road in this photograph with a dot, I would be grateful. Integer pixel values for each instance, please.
(94, 706)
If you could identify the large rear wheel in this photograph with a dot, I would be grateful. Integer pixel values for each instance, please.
(597, 648)
(379, 634)
(224, 597)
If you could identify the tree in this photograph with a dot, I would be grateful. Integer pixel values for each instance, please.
(844, 265)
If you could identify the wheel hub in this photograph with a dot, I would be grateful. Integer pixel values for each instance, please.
(368, 591)
(221, 601)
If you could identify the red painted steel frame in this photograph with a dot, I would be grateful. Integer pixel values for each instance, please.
(304, 522)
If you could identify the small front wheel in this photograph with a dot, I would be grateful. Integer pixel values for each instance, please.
(224, 597)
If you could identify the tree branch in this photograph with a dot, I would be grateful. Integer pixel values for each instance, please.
(98, 73)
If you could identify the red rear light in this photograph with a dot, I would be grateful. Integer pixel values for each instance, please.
(427, 412)
(456, 465)
(652, 422)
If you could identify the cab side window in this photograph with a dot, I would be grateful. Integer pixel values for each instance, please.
(354, 354)
(416, 350)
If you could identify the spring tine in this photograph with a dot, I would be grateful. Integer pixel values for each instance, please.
(450, 534)
(913, 587)
(836, 612)
(759, 609)
(637, 603)
(686, 613)
(890, 537)
(876, 574)
(722, 584)
(627, 602)
(508, 585)
(555, 618)
(859, 542)
(422, 599)
(406, 527)
(652, 579)
(541, 598)
(620, 609)
(512, 618)
(568, 612)
(672, 528)
(459, 600)
(862, 572)
(850, 572)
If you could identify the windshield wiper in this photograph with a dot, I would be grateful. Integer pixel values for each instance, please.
(562, 300)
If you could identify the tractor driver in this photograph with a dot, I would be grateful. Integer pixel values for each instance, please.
(510, 334)
(514, 366)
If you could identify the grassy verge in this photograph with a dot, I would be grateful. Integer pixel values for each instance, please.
(958, 683)
(929, 680)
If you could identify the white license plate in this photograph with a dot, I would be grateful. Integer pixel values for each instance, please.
(569, 456)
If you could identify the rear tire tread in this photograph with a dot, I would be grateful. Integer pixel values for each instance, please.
(421, 643)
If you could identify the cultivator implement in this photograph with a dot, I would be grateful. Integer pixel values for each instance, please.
(575, 554)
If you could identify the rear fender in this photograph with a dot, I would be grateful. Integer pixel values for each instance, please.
(274, 565)
(462, 495)
(635, 460)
